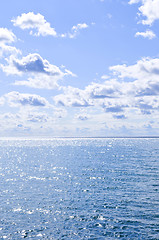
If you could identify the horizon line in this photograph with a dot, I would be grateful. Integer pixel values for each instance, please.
(69, 137)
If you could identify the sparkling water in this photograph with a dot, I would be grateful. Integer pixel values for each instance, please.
(79, 188)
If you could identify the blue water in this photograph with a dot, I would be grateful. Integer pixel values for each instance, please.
(79, 189)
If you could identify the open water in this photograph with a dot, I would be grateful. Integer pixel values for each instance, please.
(79, 189)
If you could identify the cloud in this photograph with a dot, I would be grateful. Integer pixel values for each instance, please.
(146, 68)
(34, 21)
(32, 63)
(72, 97)
(2, 101)
(148, 34)
(104, 77)
(121, 116)
(134, 91)
(149, 9)
(82, 117)
(24, 121)
(59, 112)
(39, 81)
(6, 36)
(40, 27)
(36, 117)
(108, 89)
(75, 30)
(134, 1)
(147, 103)
(41, 74)
(16, 99)
(114, 109)
(145, 73)
(9, 50)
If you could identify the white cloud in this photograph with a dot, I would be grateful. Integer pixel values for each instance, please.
(134, 91)
(41, 74)
(72, 97)
(75, 30)
(149, 9)
(34, 21)
(23, 122)
(148, 34)
(109, 89)
(40, 81)
(6, 36)
(9, 50)
(104, 77)
(2, 101)
(16, 99)
(40, 27)
(82, 117)
(37, 117)
(32, 63)
(144, 69)
(134, 1)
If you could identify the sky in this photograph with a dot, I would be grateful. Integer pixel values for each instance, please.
(87, 68)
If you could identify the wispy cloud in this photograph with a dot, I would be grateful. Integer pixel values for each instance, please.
(6, 36)
(75, 30)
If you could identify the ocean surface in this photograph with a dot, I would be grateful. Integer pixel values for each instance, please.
(90, 188)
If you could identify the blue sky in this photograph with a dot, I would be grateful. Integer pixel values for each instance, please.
(79, 68)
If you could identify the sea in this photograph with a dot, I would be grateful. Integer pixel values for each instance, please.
(79, 188)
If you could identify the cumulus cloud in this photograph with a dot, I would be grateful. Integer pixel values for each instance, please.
(146, 68)
(72, 97)
(108, 89)
(142, 76)
(15, 99)
(40, 27)
(148, 34)
(36, 22)
(147, 103)
(32, 63)
(135, 89)
(148, 9)
(41, 74)
(75, 97)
